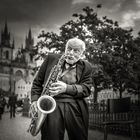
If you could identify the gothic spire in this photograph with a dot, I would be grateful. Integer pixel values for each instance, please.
(5, 36)
(29, 41)
(6, 28)
(13, 43)
(30, 34)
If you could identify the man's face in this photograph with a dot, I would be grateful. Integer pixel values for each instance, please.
(73, 53)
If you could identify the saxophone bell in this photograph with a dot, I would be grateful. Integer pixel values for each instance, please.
(45, 104)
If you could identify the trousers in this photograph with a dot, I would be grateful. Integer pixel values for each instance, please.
(12, 111)
(67, 116)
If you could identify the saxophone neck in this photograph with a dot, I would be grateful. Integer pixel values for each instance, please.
(54, 74)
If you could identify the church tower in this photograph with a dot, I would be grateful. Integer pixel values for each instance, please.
(6, 47)
(29, 44)
(6, 57)
(12, 69)
(5, 36)
(29, 41)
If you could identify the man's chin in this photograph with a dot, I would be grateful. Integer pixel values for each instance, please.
(71, 62)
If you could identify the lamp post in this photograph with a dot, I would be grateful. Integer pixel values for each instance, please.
(12, 81)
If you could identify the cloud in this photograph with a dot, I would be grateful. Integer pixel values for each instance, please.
(51, 14)
(129, 19)
(115, 8)
(81, 1)
(138, 3)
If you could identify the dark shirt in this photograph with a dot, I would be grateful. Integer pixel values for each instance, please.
(12, 100)
(2, 102)
(68, 76)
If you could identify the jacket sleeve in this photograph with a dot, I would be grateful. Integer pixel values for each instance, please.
(38, 81)
(83, 88)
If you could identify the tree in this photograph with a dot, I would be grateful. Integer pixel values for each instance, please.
(113, 51)
(134, 86)
(109, 45)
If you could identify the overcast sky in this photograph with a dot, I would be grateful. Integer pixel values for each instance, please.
(51, 14)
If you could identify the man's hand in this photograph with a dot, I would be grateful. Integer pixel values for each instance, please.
(58, 88)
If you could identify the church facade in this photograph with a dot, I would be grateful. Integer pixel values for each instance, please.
(13, 68)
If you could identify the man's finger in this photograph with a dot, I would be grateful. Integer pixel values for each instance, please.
(55, 88)
(55, 84)
(56, 92)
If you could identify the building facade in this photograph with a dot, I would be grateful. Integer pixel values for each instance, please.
(110, 94)
(14, 69)
(23, 88)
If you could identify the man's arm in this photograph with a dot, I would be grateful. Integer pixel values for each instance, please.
(37, 87)
(83, 88)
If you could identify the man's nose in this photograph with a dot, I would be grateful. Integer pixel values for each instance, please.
(71, 51)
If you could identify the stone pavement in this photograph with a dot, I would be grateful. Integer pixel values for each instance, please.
(16, 129)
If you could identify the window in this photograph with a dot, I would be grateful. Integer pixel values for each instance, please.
(7, 55)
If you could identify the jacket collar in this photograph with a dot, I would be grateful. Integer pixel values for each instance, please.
(79, 70)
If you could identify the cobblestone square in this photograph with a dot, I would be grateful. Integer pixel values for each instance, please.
(16, 129)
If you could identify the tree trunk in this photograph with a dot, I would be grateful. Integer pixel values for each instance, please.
(96, 90)
(120, 92)
(95, 94)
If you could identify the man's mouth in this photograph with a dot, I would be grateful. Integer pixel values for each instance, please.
(70, 58)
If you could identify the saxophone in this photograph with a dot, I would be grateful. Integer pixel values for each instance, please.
(46, 103)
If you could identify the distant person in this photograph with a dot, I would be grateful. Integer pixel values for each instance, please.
(12, 104)
(26, 106)
(2, 105)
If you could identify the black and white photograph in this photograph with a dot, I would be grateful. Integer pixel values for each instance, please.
(69, 69)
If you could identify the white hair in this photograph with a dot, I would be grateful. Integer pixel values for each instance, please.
(76, 42)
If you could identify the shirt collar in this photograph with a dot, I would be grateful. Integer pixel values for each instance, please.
(67, 65)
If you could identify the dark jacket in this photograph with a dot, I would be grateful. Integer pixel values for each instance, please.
(84, 79)
(12, 100)
(2, 104)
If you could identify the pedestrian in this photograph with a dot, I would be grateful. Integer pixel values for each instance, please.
(26, 107)
(12, 104)
(2, 105)
(73, 85)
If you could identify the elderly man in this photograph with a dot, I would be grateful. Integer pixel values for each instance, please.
(73, 85)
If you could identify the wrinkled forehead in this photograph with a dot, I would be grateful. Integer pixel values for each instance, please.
(75, 43)
(74, 47)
